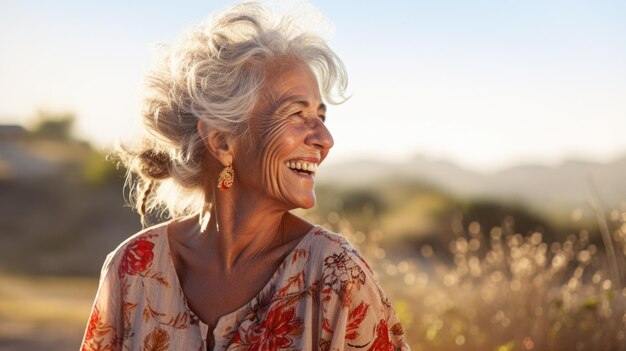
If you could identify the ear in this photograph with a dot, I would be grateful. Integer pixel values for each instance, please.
(217, 143)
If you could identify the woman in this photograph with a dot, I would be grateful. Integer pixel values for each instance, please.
(235, 133)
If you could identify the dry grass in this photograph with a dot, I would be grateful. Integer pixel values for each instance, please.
(500, 291)
(43, 313)
(503, 291)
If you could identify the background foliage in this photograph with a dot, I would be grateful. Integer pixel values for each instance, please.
(464, 272)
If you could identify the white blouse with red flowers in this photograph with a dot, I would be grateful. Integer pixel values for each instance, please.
(322, 297)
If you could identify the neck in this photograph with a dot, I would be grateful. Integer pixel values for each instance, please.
(238, 230)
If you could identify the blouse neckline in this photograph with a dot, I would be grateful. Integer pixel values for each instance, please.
(229, 316)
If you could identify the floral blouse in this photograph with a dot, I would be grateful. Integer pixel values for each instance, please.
(323, 296)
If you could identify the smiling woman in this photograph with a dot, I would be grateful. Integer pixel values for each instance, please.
(288, 136)
(235, 133)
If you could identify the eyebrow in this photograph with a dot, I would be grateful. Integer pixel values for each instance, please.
(297, 100)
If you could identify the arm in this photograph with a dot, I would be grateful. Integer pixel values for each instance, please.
(356, 314)
(106, 325)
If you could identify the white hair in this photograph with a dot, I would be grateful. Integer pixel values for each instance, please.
(214, 73)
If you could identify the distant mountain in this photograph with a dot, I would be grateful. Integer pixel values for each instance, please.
(546, 188)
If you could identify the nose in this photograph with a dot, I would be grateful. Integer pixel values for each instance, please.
(320, 136)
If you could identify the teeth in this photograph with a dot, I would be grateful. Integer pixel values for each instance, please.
(302, 165)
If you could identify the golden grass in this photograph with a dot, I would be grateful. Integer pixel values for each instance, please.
(46, 299)
(47, 313)
(495, 290)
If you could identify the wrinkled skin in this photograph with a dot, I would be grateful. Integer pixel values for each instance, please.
(286, 124)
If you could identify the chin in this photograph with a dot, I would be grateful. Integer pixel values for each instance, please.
(306, 203)
(308, 206)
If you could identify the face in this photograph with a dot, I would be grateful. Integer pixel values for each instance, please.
(288, 138)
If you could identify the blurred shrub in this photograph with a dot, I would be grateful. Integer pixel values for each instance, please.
(56, 126)
(97, 170)
(411, 213)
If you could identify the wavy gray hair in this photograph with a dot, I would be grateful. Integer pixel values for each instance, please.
(213, 73)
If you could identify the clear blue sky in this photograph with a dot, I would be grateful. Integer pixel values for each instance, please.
(483, 83)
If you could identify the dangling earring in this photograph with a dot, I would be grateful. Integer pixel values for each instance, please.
(226, 177)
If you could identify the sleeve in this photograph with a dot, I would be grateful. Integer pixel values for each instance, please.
(356, 314)
(106, 323)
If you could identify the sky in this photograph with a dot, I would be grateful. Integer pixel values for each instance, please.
(485, 84)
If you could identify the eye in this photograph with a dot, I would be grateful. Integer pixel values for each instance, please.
(296, 114)
(323, 118)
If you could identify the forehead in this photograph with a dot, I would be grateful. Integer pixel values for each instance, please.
(290, 77)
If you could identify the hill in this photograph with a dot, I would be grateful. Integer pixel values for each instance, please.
(557, 190)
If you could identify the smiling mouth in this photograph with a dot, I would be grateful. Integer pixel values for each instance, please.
(302, 167)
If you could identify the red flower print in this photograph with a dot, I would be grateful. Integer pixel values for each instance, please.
(93, 323)
(273, 332)
(382, 342)
(355, 317)
(97, 333)
(137, 257)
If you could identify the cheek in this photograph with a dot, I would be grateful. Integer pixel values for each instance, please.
(274, 140)
(272, 146)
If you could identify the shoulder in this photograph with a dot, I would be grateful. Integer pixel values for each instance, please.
(342, 269)
(136, 254)
(355, 310)
(329, 246)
